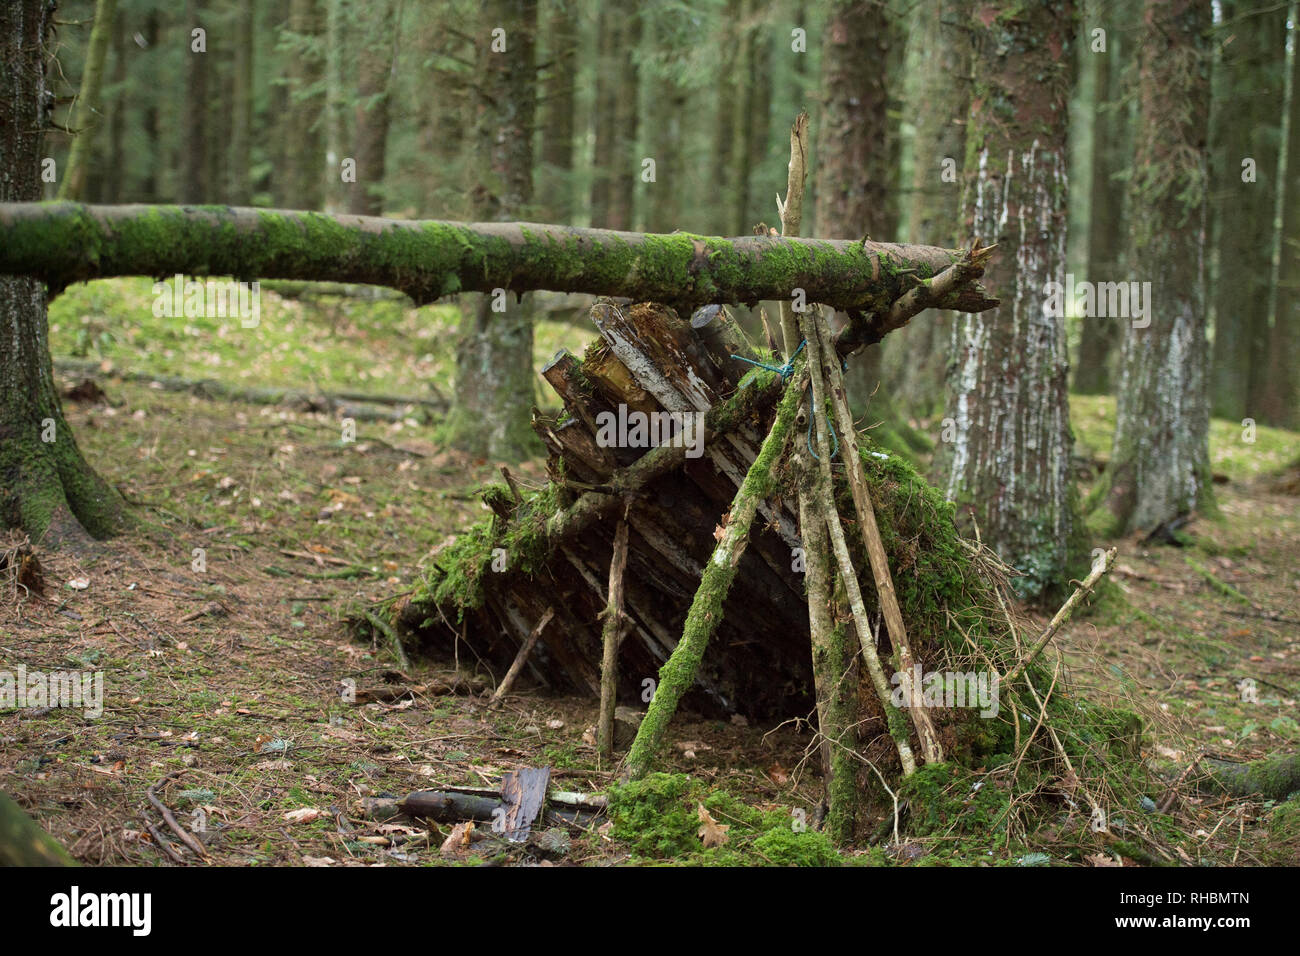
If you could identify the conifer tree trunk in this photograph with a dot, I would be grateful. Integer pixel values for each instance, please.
(46, 486)
(1159, 468)
(494, 361)
(915, 373)
(1112, 153)
(1280, 400)
(371, 118)
(1248, 85)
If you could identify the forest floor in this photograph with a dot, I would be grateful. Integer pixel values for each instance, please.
(220, 624)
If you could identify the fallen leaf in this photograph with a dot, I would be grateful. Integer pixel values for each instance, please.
(79, 584)
(1101, 859)
(303, 815)
(712, 832)
(457, 840)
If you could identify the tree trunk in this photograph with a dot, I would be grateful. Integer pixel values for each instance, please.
(1280, 401)
(494, 361)
(1159, 468)
(86, 116)
(853, 178)
(302, 140)
(46, 486)
(332, 185)
(1111, 154)
(1009, 464)
(378, 60)
(67, 242)
(604, 116)
(744, 144)
(153, 143)
(626, 161)
(239, 186)
(1248, 85)
(559, 91)
(724, 121)
(914, 378)
(194, 148)
(115, 174)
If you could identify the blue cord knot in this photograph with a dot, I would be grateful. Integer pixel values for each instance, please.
(785, 371)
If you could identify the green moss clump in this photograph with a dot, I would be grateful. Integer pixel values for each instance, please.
(658, 817)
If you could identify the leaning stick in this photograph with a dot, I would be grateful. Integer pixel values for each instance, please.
(521, 658)
(612, 637)
(931, 749)
(1099, 568)
(841, 549)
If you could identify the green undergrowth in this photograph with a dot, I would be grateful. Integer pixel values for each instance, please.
(1283, 845)
(658, 817)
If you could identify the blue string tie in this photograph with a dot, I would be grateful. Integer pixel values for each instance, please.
(785, 371)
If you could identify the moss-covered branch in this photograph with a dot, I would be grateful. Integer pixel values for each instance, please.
(677, 676)
(64, 243)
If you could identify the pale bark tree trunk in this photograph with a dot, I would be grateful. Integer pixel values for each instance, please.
(494, 362)
(1008, 466)
(1159, 468)
(46, 486)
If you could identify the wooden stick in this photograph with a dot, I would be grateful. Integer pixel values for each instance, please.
(791, 211)
(185, 835)
(878, 560)
(1099, 569)
(521, 658)
(840, 547)
(613, 637)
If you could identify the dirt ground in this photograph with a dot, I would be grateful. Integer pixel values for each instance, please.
(219, 626)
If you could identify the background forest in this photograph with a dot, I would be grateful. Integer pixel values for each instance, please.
(1136, 163)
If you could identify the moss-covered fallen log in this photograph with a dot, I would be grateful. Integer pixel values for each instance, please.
(1273, 778)
(64, 243)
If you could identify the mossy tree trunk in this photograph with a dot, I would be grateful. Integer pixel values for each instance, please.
(494, 360)
(1009, 463)
(86, 117)
(68, 242)
(1160, 468)
(46, 486)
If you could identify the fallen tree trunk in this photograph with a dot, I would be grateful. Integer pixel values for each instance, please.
(64, 243)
